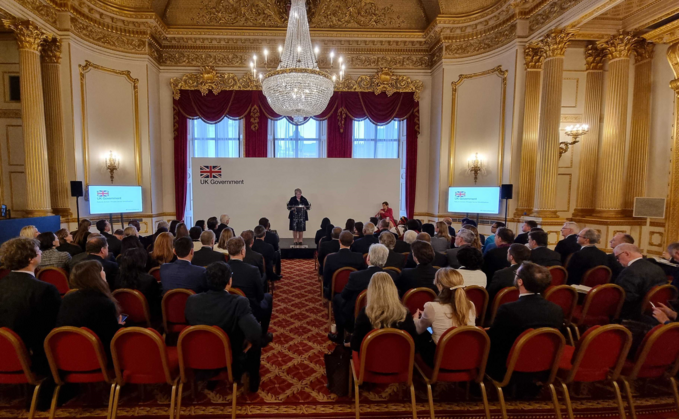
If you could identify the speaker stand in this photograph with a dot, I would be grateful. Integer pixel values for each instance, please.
(77, 208)
(506, 205)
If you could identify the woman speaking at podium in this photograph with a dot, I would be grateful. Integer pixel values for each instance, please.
(298, 207)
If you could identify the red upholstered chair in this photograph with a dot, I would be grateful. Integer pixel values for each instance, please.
(416, 298)
(657, 356)
(504, 296)
(4, 272)
(535, 350)
(15, 365)
(237, 291)
(599, 356)
(656, 295)
(141, 357)
(339, 280)
(603, 304)
(365, 258)
(391, 268)
(478, 296)
(461, 356)
(559, 275)
(387, 356)
(361, 302)
(76, 355)
(565, 297)
(405, 259)
(205, 348)
(155, 272)
(598, 275)
(173, 305)
(134, 304)
(55, 276)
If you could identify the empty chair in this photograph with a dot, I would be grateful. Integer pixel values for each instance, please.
(361, 302)
(603, 304)
(559, 275)
(656, 295)
(461, 355)
(339, 280)
(415, 298)
(134, 304)
(479, 296)
(55, 276)
(15, 365)
(387, 356)
(141, 357)
(155, 272)
(205, 348)
(598, 275)
(173, 305)
(565, 297)
(506, 295)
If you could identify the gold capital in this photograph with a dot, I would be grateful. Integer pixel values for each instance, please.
(51, 51)
(534, 56)
(556, 41)
(643, 51)
(594, 58)
(620, 45)
(29, 35)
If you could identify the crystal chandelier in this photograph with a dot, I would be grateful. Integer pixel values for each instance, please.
(297, 88)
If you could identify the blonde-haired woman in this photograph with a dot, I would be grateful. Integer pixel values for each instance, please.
(384, 309)
(29, 232)
(130, 231)
(163, 250)
(223, 239)
(451, 308)
(477, 242)
(441, 241)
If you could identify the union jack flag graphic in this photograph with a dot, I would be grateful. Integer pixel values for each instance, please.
(210, 172)
(102, 194)
(460, 194)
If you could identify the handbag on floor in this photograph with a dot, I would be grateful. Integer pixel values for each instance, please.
(337, 370)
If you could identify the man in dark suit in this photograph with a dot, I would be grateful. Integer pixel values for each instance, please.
(525, 229)
(273, 239)
(516, 255)
(512, 319)
(383, 226)
(343, 258)
(395, 260)
(148, 241)
(440, 260)
(97, 249)
(328, 247)
(114, 244)
(266, 250)
(539, 252)
(343, 304)
(612, 262)
(247, 279)
(569, 244)
(211, 224)
(464, 238)
(181, 273)
(224, 223)
(422, 275)
(251, 257)
(363, 244)
(496, 259)
(232, 314)
(401, 246)
(206, 255)
(588, 257)
(638, 277)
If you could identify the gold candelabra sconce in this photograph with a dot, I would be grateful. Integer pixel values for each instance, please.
(476, 167)
(112, 164)
(575, 132)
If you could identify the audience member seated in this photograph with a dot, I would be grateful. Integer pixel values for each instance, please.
(471, 261)
(403, 246)
(149, 241)
(231, 313)
(212, 224)
(51, 257)
(526, 227)
(451, 229)
(320, 233)
(429, 229)
(247, 278)
(422, 275)
(363, 244)
(328, 247)
(266, 250)
(358, 230)
(384, 310)
(182, 231)
(130, 231)
(569, 244)
(82, 256)
(638, 277)
(223, 240)
(588, 257)
(195, 233)
(273, 239)
(343, 304)
(490, 240)
(540, 254)
(413, 225)
(496, 259)
(29, 232)
(163, 250)
(135, 224)
(440, 259)
(173, 227)
(97, 249)
(343, 258)
(612, 262)
(441, 240)
(471, 223)
(130, 242)
(395, 260)
(182, 273)
(206, 255)
(80, 236)
(512, 319)
(464, 238)
(517, 254)
(104, 228)
(66, 243)
(350, 225)
(477, 244)
(251, 257)
(118, 234)
(451, 308)
(201, 225)
(664, 314)
(133, 275)
(224, 221)
(28, 306)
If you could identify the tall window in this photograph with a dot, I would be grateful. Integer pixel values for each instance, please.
(298, 141)
(372, 141)
(222, 139)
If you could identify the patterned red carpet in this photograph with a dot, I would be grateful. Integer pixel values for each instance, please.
(293, 380)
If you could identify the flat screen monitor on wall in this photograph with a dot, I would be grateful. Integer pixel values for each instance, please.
(114, 199)
(474, 200)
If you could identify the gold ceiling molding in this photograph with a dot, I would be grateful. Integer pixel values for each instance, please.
(355, 13)
(666, 34)
(553, 10)
(241, 13)
(465, 48)
(210, 80)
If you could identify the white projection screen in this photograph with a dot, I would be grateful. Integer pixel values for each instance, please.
(250, 188)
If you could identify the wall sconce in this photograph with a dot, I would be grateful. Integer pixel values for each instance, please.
(112, 163)
(476, 167)
(575, 132)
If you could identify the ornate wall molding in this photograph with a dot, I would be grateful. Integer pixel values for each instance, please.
(594, 58)
(10, 113)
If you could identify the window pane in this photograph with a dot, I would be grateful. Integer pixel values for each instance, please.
(297, 141)
(371, 141)
(216, 140)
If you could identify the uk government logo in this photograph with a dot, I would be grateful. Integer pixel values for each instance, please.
(212, 175)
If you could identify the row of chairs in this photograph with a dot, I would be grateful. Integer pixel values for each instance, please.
(140, 356)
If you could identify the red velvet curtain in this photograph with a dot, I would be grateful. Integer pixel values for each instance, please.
(342, 110)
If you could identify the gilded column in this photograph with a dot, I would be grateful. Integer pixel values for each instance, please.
(589, 145)
(533, 56)
(640, 130)
(29, 38)
(554, 45)
(672, 215)
(56, 154)
(610, 180)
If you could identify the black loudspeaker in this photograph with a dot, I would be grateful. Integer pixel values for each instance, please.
(76, 188)
(506, 191)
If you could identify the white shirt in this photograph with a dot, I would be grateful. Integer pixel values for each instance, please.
(26, 272)
(439, 317)
(587, 245)
(477, 277)
(528, 293)
(632, 261)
